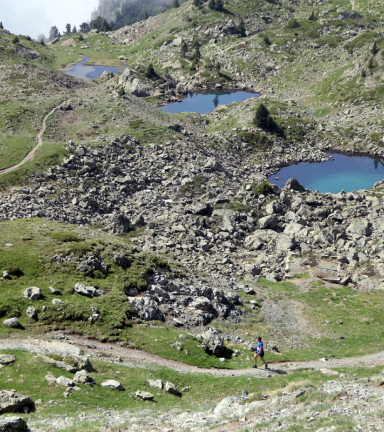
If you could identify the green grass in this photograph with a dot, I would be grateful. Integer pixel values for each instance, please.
(50, 154)
(13, 149)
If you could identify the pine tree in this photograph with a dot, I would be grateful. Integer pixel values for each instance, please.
(68, 28)
(183, 49)
(374, 49)
(212, 4)
(176, 3)
(219, 5)
(74, 30)
(241, 27)
(1, 25)
(145, 15)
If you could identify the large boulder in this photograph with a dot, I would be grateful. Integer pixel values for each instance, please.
(11, 322)
(268, 222)
(118, 224)
(126, 75)
(214, 341)
(64, 381)
(360, 227)
(171, 388)
(13, 424)
(112, 384)
(146, 308)
(85, 290)
(83, 377)
(144, 395)
(138, 88)
(7, 359)
(285, 242)
(32, 293)
(11, 401)
(293, 184)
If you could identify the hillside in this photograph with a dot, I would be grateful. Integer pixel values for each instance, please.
(131, 231)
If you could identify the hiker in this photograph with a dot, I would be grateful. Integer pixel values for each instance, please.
(260, 353)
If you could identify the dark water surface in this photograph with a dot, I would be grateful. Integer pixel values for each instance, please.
(346, 173)
(79, 70)
(204, 103)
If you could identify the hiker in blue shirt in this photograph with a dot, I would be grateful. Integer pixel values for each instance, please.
(259, 353)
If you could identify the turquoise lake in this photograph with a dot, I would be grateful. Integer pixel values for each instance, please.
(346, 173)
(204, 103)
(79, 70)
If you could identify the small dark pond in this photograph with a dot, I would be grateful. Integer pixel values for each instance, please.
(204, 103)
(79, 70)
(346, 173)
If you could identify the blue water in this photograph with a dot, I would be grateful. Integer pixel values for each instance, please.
(346, 173)
(204, 103)
(79, 70)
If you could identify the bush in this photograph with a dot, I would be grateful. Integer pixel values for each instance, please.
(363, 73)
(374, 49)
(312, 17)
(15, 40)
(264, 188)
(150, 72)
(121, 92)
(64, 236)
(258, 140)
(293, 23)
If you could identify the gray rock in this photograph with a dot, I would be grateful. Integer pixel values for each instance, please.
(13, 424)
(155, 383)
(252, 269)
(252, 346)
(268, 222)
(360, 227)
(214, 341)
(82, 289)
(118, 224)
(7, 359)
(32, 293)
(11, 401)
(64, 381)
(112, 384)
(6, 275)
(82, 377)
(178, 41)
(59, 364)
(146, 308)
(171, 388)
(293, 184)
(57, 302)
(285, 242)
(11, 322)
(144, 395)
(50, 378)
(31, 312)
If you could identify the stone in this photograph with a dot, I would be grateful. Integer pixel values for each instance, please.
(359, 227)
(11, 401)
(155, 383)
(268, 222)
(7, 359)
(6, 275)
(252, 346)
(50, 378)
(11, 322)
(31, 312)
(171, 388)
(146, 308)
(59, 364)
(178, 41)
(144, 395)
(13, 424)
(64, 381)
(293, 184)
(214, 341)
(82, 377)
(112, 384)
(32, 293)
(57, 302)
(84, 290)
(285, 242)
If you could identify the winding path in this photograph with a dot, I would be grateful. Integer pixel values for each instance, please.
(112, 353)
(31, 154)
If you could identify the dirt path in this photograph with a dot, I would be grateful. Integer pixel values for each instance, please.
(112, 353)
(32, 153)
